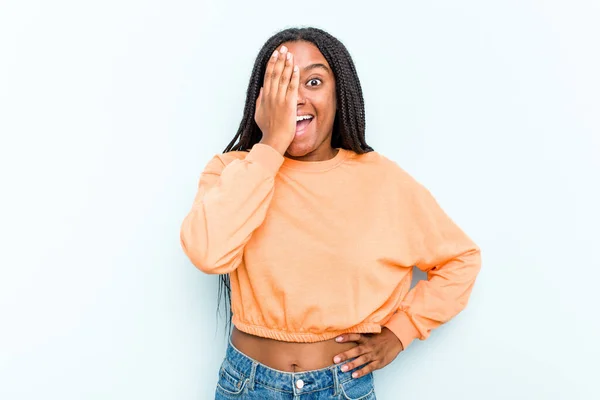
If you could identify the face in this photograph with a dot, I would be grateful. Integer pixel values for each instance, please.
(316, 97)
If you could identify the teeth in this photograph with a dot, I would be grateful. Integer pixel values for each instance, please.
(303, 117)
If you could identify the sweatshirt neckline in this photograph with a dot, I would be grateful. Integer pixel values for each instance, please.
(316, 166)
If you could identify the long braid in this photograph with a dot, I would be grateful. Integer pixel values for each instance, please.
(349, 123)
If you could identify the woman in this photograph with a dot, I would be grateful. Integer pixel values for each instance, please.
(318, 234)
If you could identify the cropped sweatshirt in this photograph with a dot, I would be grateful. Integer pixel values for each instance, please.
(316, 249)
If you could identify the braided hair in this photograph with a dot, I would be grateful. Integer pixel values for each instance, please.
(349, 122)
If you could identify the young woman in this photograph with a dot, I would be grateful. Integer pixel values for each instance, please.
(315, 235)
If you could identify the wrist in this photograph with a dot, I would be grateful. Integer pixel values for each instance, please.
(266, 156)
(391, 333)
(281, 148)
(402, 326)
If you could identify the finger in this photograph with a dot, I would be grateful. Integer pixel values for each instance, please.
(358, 362)
(279, 65)
(350, 337)
(259, 98)
(286, 74)
(258, 102)
(269, 72)
(370, 367)
(294, 84)
(356, 351)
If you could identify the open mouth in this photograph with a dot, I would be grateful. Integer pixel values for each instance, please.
(302, 122)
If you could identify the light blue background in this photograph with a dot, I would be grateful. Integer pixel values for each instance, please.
(109, 111)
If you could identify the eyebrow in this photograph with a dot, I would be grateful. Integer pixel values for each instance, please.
(318, 65)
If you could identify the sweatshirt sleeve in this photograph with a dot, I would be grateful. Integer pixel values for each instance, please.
(452, 262)
(231, 202)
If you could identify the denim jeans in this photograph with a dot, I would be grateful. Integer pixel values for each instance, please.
(241, 377)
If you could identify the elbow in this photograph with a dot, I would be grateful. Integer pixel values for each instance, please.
(457, 278)
(461, 269)
(472, 263)
(468, 264)
(194, 246)
(209, 262)
(191, 251)
(467, 275)
(198, 259)
(476, 262)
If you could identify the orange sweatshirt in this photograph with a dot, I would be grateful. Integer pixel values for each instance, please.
(316, 249)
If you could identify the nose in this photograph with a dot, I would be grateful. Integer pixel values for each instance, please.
(301, 97)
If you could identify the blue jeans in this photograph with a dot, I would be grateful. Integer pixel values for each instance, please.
(241, 377)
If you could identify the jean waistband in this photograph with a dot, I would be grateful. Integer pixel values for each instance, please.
(286, 381)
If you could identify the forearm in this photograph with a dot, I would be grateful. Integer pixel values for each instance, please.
(227, 209)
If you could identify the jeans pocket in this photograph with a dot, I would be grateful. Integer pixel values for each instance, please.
(231, 383)
(358, 389)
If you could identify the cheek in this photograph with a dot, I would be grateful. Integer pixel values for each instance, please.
(332, 103)
(327, 107)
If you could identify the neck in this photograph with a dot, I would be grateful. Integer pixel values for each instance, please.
(321, 154)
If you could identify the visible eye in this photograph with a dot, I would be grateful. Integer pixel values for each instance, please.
(314, 82)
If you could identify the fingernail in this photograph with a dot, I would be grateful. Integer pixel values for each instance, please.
(275, 54)
(338, 339)
(344, 368)
(336, 359)
(288, 56)
(283, 49)
(354, 374)
(296, 70)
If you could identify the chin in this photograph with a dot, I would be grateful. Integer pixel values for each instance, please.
(300, 149)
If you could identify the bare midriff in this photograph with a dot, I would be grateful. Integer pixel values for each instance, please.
(288, 356)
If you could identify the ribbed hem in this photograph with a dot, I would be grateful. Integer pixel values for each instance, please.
(403, 328)
(304, 337)
(266, 156)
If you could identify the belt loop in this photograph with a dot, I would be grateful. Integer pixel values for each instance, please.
(335, 381)
(252, 375)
